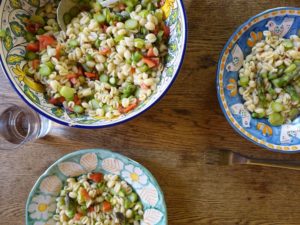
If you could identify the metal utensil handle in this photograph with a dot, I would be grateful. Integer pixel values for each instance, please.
(292, 165)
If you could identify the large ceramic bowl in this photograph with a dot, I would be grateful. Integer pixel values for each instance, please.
(12, 49)
(41, 205)
(280, 21)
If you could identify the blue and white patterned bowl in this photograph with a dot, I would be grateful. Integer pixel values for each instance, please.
(280, 21)
(12, 49)
(41, 206)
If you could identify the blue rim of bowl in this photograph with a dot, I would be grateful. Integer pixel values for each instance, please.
(96, 150)
(115, 123)
(218, 85)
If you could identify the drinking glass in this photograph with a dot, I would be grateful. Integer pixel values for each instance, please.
(19, 125)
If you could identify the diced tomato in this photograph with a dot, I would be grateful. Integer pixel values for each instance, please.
(155, 60)
(32, 27)
(46, 40)
(33, 47)
(150, 52)
(77, 216)
(96, 177)
(58, 51)
(77, 100)
(35, 63)
(128, 109)
(85, 194)
(104, 51)
(80, 71)
(132, 70)
(57, 101)
(166, 31)
(90, 75)
(91, 209)
(71, 76)
(149, 62)
(106, 206)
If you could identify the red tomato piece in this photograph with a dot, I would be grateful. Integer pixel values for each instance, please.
(90, 75)
(96, 177)
(71, 76)
(57, 101)
(46, 40)
(85, 194)
(166, 31)
(132, 70)
(106, 206)
(58, 51)
(150, 52)
(91, 209)
(32, 27)
(35, 63)
(33, 47)
(77, 100)
(80, 71)
(149, 62)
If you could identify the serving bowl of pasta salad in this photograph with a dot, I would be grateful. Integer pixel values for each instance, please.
(109, 65)
(258, 80)
(96, 186)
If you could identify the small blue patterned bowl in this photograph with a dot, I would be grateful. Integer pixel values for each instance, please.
(280, 21)
(13, 13)
(41, 205)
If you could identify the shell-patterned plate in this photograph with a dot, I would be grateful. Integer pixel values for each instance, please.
(283, 22)
(41, 203)
(13, 15)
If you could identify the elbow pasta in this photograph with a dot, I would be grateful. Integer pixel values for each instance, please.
(108, 60)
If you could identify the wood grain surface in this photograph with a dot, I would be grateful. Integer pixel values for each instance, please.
(170, 140)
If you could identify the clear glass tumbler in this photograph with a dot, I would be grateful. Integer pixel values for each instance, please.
(19, 125)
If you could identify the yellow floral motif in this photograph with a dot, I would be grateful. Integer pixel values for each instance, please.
(254, 38)
(232, 87)
(27, 80)
(167, 7)
(265, 129)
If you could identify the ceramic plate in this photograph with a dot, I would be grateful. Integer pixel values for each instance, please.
(13, 14)
(282, 22)
(41, 204)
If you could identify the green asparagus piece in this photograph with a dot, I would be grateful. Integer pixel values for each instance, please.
(272, 76)
(291, 68)
(293, 93)
(261, 89)
(293, 113)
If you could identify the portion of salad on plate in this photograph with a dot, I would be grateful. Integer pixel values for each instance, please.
(269, 80)
(109, 60)
(98, 199)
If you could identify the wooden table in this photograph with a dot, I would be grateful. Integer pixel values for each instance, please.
(170, 140)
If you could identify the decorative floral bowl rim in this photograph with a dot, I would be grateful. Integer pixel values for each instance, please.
(131, 115)
(220, 84)
(54, 170)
